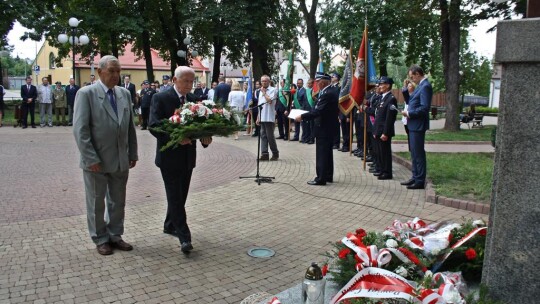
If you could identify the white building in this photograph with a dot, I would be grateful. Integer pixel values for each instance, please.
(495, 86)
(300, 71)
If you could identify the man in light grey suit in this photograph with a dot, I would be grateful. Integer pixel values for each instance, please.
(105, 135)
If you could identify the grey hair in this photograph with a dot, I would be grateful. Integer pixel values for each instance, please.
(181, 70)
(104, 61)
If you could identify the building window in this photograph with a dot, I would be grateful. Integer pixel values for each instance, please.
(52, 64)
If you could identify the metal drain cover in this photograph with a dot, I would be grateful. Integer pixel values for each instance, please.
(261, 252)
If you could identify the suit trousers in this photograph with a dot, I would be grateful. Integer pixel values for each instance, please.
(359, 129)
(306, 130)
(70, 114)
(282, 123)
(375, 153)
(25, 109)
(105, 204)
(45, 109)
(145, 113)
(268, 138)
(418, 156)
(296, 130)
(324, 159)
(385, 156)
(345, 132)
(176, 188)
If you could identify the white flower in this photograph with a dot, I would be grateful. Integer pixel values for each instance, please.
(209, 103)
(188, 105)
(428, 273)
(401, 271)
(203, 111)
(226, 114)
(391, 243)
(388, 233)
(478, 223)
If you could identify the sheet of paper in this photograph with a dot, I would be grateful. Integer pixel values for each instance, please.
(296, 112)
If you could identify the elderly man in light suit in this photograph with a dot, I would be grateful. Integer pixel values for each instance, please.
(105, 135)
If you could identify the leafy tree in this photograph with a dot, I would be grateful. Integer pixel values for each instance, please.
(312, 32)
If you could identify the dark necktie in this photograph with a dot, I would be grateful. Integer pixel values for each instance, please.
(112, 101)
(182, 100)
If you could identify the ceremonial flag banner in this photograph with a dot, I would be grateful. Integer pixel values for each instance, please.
(249, 93)
(346, 104)
(363, 68)
(285, 98)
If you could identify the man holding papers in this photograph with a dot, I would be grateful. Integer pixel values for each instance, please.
(324, 116)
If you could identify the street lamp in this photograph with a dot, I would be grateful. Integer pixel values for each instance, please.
(73, 39)
(186, 55)
(225, 65)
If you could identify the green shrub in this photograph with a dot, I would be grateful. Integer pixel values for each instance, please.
(486, 110)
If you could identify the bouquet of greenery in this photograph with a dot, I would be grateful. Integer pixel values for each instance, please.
(195, 121)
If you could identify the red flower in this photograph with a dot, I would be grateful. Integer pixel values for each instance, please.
(360, 233)
(450, 237)
(324, 269)
(470, 254)
(343, 253)
(482, 232)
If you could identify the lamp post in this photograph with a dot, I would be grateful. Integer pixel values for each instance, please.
(186, 55)
(73, 39)
(225, 65)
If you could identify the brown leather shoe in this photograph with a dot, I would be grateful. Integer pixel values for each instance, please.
(104, 249)
(121, 245)
(274, 157)
(264, 157)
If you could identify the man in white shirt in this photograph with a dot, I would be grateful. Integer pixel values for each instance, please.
(267, 118)
(211, 91)
(45, 97)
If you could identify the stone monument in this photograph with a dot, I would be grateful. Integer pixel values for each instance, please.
(512, 257)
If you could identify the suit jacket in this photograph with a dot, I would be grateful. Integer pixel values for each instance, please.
(70, 94)
(385, 116)
(419, 106)
(325, 113)
(201, 94)
(132, 92)
(101, 135)
(302, 99)
(32, 93)
(183, 157)
(221, 93)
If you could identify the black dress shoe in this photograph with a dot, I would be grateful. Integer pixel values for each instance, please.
(311, 142)
(407, 183)
(369, 159)
(384, 176)
(329, 180)
(294, 139)
(33, 127)
(186, 247)
(316, 183)
(171, 232)
(416, 186)
(280, 137)
(335, 147)
(344, 150)
(339, 149)
(378, 173)
(24, 127)
(372, 170)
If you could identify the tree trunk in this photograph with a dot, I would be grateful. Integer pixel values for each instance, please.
(312, 34)
(147, 55)
(450, 34)
(114, 44)
(383, 66)
(218, 45)
(170, 41)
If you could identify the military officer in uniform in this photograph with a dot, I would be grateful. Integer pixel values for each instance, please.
(385, 117)
(325, 124)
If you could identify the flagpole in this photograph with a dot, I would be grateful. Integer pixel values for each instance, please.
(365, 93)
(350, 113)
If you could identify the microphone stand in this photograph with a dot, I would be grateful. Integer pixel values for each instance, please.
(259, 178)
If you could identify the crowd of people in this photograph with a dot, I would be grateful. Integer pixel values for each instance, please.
(96, 111)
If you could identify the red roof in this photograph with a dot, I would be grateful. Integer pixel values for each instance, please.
(129, 61)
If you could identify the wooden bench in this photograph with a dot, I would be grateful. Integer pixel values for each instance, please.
(477, 121)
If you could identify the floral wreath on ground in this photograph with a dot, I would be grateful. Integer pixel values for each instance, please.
(413, 262)
(195, 121)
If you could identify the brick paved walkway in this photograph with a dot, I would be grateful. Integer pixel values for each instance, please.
(46, 255)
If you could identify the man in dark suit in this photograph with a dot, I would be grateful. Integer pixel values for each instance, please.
(201, 91)
(176, 164)
(307, 125)
(221, 92)
(255, 109)
(131, 88)
(417, 115)
(324, 116)
(301, 101)
(385, 117)
(71, 91)
(28, 95)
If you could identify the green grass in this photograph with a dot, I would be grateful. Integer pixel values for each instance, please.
(482, 134)
(460, 175)
(9, 115)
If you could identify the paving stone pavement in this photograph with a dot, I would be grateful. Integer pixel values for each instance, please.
(46, 255)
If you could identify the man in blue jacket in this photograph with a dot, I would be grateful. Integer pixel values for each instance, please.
(417, 115)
